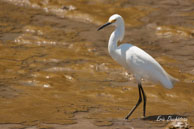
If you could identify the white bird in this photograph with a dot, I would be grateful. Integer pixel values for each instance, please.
(136, 61)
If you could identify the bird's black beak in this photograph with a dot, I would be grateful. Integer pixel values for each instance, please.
(108, 23)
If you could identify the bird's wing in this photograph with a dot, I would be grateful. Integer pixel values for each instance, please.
(144, 66)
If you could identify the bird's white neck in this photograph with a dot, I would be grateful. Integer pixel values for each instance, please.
(117, 35)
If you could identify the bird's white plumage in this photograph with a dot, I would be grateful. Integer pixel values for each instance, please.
(134, 59)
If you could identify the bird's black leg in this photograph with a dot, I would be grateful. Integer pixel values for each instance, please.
(144, 99)
(138, 102)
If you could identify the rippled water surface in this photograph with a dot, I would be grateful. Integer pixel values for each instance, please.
(55, 68)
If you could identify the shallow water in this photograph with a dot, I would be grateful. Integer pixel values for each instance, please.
(55, 65)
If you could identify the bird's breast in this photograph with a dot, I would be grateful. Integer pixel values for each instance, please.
(119, 58)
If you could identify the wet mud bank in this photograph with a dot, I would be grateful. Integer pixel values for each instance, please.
(56, 71)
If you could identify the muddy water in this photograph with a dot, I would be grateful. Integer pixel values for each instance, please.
(56, 72)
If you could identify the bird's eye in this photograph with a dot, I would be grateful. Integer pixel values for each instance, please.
(113, 21)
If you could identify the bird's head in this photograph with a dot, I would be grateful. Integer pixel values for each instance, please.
(113, 20)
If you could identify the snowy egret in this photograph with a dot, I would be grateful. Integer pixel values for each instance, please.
(136, 61)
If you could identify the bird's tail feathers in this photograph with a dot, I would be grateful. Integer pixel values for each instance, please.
(173, 79)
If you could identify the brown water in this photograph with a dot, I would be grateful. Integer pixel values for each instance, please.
(56, 72)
